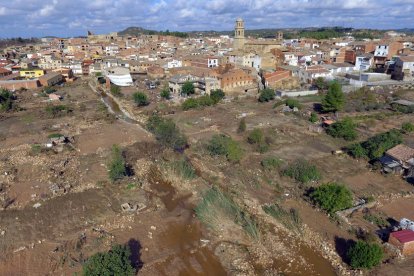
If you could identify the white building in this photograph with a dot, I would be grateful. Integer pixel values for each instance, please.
(363, 63)
(119, 76)
(174, 64)
(291, 59)
(381, 51)
(310, 73)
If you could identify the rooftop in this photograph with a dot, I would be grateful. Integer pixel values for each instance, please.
(403, 236)
(401, 152)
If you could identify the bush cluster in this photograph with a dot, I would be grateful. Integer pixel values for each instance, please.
(377, 145)
(266, 95)
(271, 163)
(140, 99)
(303, 171)
(365, 255)
(207, 100)
(223, 145)
(6, 100)
(117, 169)
(292, 103)
(407, 127)
(257, 138)
(332, 197)
(114, 262)
(345, 129)
(166, 132)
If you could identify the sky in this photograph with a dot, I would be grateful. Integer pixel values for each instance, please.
(65, 18)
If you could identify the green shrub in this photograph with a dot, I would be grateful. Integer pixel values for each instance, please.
(357, 151)
(217, 95)
(365, 255)
(407, 127)
(292, 103)
(224, 145)
(6, 100)
(36, 149)
(271, 163)
(256, 136)
(114, 262)
(189, 104)
(334, 99)
(345, 129)
(165, 93)
(55, 135)
(140, 99)
(242, 125)
(332, 197)
(266, 95)
(117, 169)
(188, 88)
(302, 171)
(377, 220)
(205, 100)
(313, 117)
(377, 145)
(234, 151)
(166, 132)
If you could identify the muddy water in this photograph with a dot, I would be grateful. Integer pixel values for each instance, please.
(191, 258)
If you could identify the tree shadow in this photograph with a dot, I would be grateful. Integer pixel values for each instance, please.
(129, 170)
(135, 258)
(317, 107)
(342, 246)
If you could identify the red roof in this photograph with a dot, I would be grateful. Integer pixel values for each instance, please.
(403, 236)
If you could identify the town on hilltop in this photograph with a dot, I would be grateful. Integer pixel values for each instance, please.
(203, 153)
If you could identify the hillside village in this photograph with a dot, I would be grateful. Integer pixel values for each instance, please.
(225, 155)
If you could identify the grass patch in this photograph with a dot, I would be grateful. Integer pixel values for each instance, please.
(55, 135)
(184, 169)
(215, 205)
(377, 220)
(290, 219)
(221, 144)
(303, 171)
(36, 149)
(131, 186)
(270, 163)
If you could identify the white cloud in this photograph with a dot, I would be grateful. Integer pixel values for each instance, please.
(55, 16)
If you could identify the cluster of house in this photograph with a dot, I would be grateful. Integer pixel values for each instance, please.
(233, 64)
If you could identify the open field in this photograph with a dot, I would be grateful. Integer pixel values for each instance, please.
(59, 206)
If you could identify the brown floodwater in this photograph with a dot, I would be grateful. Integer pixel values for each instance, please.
(192, 259)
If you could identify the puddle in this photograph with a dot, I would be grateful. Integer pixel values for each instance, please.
(191, 259)
(165, 191)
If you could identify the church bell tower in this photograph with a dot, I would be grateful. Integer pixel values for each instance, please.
(238, 43)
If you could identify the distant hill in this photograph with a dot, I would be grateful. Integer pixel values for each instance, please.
(310, 32)
(136, 31)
